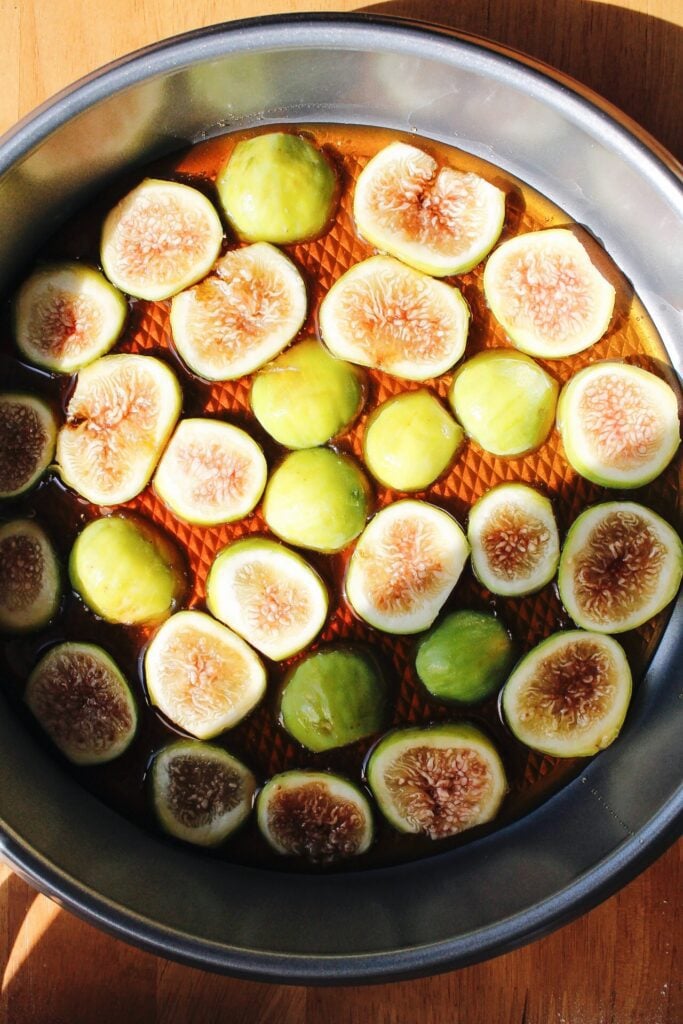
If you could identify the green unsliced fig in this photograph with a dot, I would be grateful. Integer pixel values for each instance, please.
(466, 657)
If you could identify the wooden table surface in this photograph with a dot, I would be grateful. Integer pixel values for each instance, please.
(617, 964)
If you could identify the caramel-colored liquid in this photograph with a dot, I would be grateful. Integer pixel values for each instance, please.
(260, 740)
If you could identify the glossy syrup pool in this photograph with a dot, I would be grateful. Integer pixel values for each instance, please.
(259, 739)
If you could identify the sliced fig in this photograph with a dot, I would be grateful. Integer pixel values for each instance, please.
(267, 594)
(621, 564)
(160, 238)
(410, 441)
(118, 420)
(465, 658)
(437, 781)
(318, 499)
(201, 675)
(211, 472)
(82, 701)
(30, 586)
(505, 401)
(28, 432)
(390, 317)
(277, 187)
(514, 540)
(333, 697)
(127, 570)
(547, 295)
(315, 815)
(436, 219)
(66, 315)
(242, 315)
(405, 564)
(568, 696)
(619, 424)
(306, 396)
(201, 793)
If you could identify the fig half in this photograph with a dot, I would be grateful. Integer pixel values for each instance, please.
(568, 696)
(118, 420)
(621, 564)
(316, 815)
(81, 699)
(30, 585)
(619, 424)
(404, 566)
(546, 294)
(28, 432)
(438, 220)
(390, 317)
(437, 781)
(465, 658)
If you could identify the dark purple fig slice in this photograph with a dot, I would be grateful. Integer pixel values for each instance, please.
(621, 564)
(315, 815)
(201, 793)
(29, 577)
(82, 701)
(568, 696)
(28, 433)
(437, 781)
(66, 315)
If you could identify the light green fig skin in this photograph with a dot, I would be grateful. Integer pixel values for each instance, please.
(317, 499)
(333, 697)
(48, 422)
(465, 658)
(26, 619)
(410, 441)
(277, 188)
(505, 402)
(306, 396)
(126, 571)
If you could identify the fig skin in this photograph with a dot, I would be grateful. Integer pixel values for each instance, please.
(30, 577)
(28, 436)
(465, 658)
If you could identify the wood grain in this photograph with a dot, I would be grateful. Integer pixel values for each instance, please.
(616, 965)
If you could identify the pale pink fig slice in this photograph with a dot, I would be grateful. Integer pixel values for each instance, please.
(436, 219)
(211, 472)
(404, 566)
(66, 315)
(242, 315)
(118, 420)
(28, 433)
(547, 295)
(390, 317)
(619, 424)
(160, 238)
(30, 584)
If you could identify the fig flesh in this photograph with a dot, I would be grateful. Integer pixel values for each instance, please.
(81, 699)
(160, 238)
(30, 586)
(315, 815)
(410, 441)
(243, 314)
(126, 570)
(201, 675)
(268, 594)
(547, 295)
(514, 540)
(305, 397)
(438, 220)
(201, 793)
(568, 696)
(404, 566)
(66, 315)
(334, 697)
(277, 188)
(118, 420)
(619, 424)
(437, 781)
(620, 564)
(505, 401)
(465, 658)
(28, 433)
(318, 499)
(390, 317)
(211, 472)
